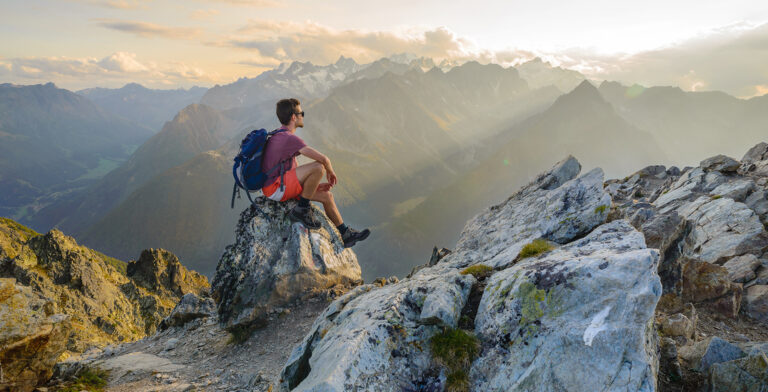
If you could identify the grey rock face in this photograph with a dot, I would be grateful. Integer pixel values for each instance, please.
(720, 163)
(745, 374)
(708, 352)
(741, 269)
(587, 305)
(275, 261)
(756, 302)
(581, 301)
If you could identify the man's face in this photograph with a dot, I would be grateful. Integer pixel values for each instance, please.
(299, 117)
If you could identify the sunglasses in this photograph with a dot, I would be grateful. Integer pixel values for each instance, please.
(300, 113)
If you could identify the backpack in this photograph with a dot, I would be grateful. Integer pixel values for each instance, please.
(247, 169)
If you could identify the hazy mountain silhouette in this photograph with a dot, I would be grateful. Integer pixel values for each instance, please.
(539, 73)
(148, 107)
(53, 141)
(691, 125)
(580, 123)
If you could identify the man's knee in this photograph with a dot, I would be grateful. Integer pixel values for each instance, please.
(318, 168)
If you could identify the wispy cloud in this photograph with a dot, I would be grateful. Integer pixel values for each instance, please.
(150, 30)
(119, 67)
(117, 4)
(203, 14)
(252, 3)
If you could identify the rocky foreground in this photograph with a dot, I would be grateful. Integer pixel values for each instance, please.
(658, 281)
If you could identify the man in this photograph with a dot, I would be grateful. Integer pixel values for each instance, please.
(302, 182)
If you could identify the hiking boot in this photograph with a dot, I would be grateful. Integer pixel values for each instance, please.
(304, 216)
(352, 236)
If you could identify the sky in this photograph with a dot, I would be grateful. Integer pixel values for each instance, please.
(696, 45)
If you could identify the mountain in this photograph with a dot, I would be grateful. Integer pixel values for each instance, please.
(52, 142)
(580, 123)
(302, 80)
(691, 124)
(539, 74)
(195, 129)
(148, 107)
(186, 208)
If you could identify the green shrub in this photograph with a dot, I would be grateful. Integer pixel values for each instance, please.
(535, 248)
(455, 349)
(479, 271)
(89, 379)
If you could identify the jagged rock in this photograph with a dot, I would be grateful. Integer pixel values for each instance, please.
(741, 269)
(580, 301)
(737, 190)
(756, 302)
(379, 336)
(556, 206)
(745, 374)
(720, 163)
(755, 154)
(32, 337)
(669, 363)
(708, 282)
(722, 229)
(665, 233)
(92, 289)
(703, 354)
(678, 325)
(274, 262)
(160, 270)
(190, 307)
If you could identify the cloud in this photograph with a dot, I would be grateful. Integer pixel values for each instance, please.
(252, 3)
(113, 70)
(276, 41)
(117, 4)
(730, 59)
(150, 30)
(203, 14)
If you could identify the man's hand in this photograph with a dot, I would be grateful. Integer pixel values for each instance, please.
(324, 187)
(331, 177)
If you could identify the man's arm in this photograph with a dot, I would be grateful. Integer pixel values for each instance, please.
(311, 153)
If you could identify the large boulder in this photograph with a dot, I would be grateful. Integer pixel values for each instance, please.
(574, 303)
(275, 262)
(32, 337)
(745, 374)
(585, 309)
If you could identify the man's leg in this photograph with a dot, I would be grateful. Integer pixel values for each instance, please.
(309, 176)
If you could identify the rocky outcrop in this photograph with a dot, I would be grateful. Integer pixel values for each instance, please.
(549, 318)
(275, 262)
(160, 271)
(32, 336)
(104, 304)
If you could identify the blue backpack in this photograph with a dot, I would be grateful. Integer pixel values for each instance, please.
(247, 169)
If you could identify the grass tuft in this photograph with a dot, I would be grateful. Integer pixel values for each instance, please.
(479, 271)
(715, 197)
(455, 349)
(89, 379)
(600, 209)
(535, 248)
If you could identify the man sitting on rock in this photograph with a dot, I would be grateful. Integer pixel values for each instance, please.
(302, 182)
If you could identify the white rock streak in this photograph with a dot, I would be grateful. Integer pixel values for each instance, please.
(596, 326)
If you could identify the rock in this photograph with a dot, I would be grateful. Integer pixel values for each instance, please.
(722, 229)
(92, 289)
(678, 325)
(275, 262)
(665, 233)
(32, 337)
(160, 270)
(756, 302)
(137, 365)
(554, 207)
(705, 282)
(737, 190)
(703, 354)
(758, 202)
(379, 336)
(745, 374)
(669, 364)
(580, 301)
(756, 154)
(720, 163)
(741, 269)
(171, 343)
(190, 307)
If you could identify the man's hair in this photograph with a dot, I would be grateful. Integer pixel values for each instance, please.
(286, 108)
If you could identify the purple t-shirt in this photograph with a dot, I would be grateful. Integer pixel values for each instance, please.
(280, 147)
